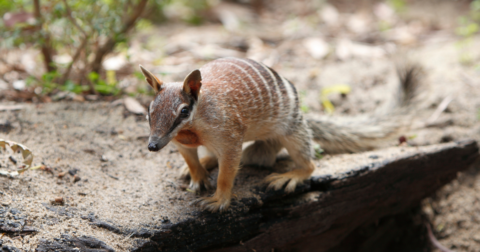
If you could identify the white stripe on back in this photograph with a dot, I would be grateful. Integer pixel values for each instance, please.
(244, 83)
(291, 96)
(264, 82)
(277, 88)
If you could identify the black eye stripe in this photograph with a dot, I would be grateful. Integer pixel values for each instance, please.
(148, 115)
(180, 118)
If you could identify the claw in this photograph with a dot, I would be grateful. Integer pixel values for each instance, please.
(276, 181)
(213, 204)
(197, 186)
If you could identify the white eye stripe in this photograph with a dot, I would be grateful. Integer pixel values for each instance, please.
(151, 107)
(182, 106)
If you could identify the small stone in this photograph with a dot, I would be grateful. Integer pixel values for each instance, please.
(73, 171)
(57, 200)
(14, 211)
(5, 126)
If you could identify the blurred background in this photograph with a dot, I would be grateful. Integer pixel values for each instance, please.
(90, 50)
(339, 54)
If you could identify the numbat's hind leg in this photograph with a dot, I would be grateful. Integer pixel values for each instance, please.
(299, 147)
(262, 153)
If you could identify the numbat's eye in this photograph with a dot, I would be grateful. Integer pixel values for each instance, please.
(184, 112)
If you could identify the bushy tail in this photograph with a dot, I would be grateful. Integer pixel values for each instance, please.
(356, 134)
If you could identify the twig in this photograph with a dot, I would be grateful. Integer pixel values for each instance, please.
(74, 59)
(443, 105)
(111, 176)
(11, 107)
(79, 49)
(83, 74)
(70, 17)
(46, 48)
(434, 240)
(110, 44)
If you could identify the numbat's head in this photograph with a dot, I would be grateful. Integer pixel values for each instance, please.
(173, 107)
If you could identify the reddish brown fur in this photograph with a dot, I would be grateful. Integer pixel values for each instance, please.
(188, 138)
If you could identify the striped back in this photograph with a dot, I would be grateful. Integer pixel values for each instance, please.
(249, 90)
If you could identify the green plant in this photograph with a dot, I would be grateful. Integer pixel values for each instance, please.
(87, 30)
(101, 86)
(319, 152)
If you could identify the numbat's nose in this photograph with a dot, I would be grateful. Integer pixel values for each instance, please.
(153, 146)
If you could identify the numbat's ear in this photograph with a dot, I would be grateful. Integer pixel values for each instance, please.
(193, 83)
(154, 82)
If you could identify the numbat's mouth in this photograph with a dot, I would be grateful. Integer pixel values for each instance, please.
(156, 144)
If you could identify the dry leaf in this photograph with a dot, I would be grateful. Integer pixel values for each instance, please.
(134, 106)
(26, 153)
(317, 47)
(9, 174)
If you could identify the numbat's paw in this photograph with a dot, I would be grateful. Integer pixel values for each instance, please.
(276, 181)
(214, 203)
(198, 186)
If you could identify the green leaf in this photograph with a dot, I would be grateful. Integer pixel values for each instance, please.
(93, 77)
(75, 88)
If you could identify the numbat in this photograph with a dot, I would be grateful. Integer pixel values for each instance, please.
(230, 101)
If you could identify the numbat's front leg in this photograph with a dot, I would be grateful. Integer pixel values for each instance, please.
(198, 174)
(229, 162)
(209, 161)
